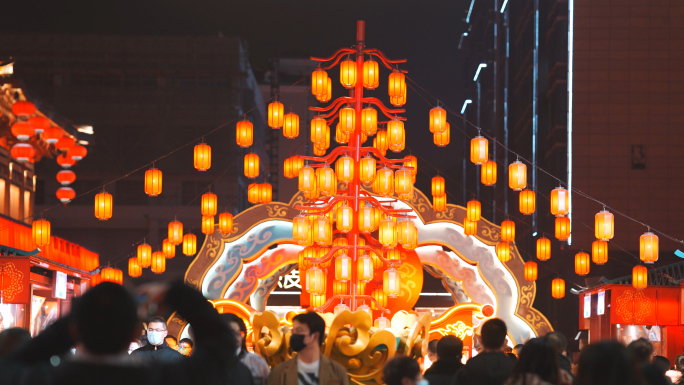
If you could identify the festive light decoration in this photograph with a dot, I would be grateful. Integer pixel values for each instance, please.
(479, 150)
(530, 271)
(385, 181)
(175, 232)
(379, 296)
(503, 251)
(65, 194)
(517, 175)
(244, 133)
(65, 162)
(347, 120)
(109, 274)
(562, 228)
(371, 78)
(508, 231)
(328, 93)
(153, 182)
(473, 210)
(469, 227)
(558, 288)
(582, 263)
(208, 226)
(319, 82)
(599, 252)
(314, 281)
(391, 283)
(202, 157)
(411, 163)
(345, 215)
(40, 232)
(488, 173)
(169, 249)
(225, 223)
(439, 203)
(51, 135)
(438, 188)
(77, 152)
(387, 234)
(276, 112)
(406, 232)
(640, 277)
(22, 131)
(189, 244)
(348, 73)
(543, 249)
(365, 220)
(144, 255)
(369, 121)
(265, 193)
(396, 135)
(438, 120)
(603, 226)
(158, 262)
(251, 165)
(364, 268)
(65, 143)
(254, 193)
(326, 180)
(560, 202)
(381, 142)
(398, 100)
(291, 125)
(396, 84)
(403, 182)
(527, 202)
(95, 279)
(291, 166)
(65, 177)
(134, 269)
(648, 247)
(343, 266)
(23, 108)
(443, 139)
(322, 231)
(367, 167)
(103, 206)
(209, 203)
(39, 123)
(23, 152)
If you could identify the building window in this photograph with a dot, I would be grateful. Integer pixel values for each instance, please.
(14, 201)
(27, 206)
(2, 197)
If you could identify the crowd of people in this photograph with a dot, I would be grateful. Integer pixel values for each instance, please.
(102, 341)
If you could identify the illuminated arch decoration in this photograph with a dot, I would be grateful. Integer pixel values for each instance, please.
(233, 266)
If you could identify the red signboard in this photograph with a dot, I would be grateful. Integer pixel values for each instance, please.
(650, 306)
(14, 280)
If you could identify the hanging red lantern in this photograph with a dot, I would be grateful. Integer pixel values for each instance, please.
(314, 281)
(291, 125)
(318, 129)
(208, 226)
(144, 255)
(225, 223)
(474, 210)
(66, 177)
(369, 121)
(209, 203)
(562, 228)
(380, 142)
(503, 251)
(391, 283)
(399, 100)
(438, 120)
(266, 193)
(411, 162)
(385, 180)
(560, 202)
(40, 232)
(134, 269)
(52, 135)
(403, 182)
(582, 263)
(344, 169)
(328, 94)
(254, 193)
(469, 227)
(443, 139)
(517, 175)
(23, 131)
(527, 202)
(603, 226)
(189, 244)
(368, 167)
(396, 84)
(202, 157)
(39, 124)
(65, 194)
(543, 249)
(348, 73)
(276, 112)
(251, 165)
(326, 180)
(77, 152)
(439, 203)
(599, 252)
(23, 152)
(508, 231)
(364, 268)
(65, 162)
(343, 266)
(158, 262)
(103, 205)
(406, 232)
(340, 136)
(558, 288)
(530, 271)
(387, 235)
(169, 249)
(365, 219)
(648, 247)
(95, 279)
(153, 182)
(479, 150)
(640, 277)
(319, 82)
(244, 133)
(347, 117)
(345, 215)
(65, 143)
(175, 232)
(488, 173)
(371, 79)
(23, 108)
(396, 135)
(438, 188)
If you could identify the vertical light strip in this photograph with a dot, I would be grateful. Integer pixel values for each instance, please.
(535, 106)
(506, 80)
(571, 32)
(470, 11)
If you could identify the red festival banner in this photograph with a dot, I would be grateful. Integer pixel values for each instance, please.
(650, 306)
(14, 280)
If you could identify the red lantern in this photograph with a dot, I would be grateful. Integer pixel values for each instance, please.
(397, 84)
(40, 232)
(244, 133)
(202, 157)
(52, 135)
(517, 175)
(439, 203)
(134, 269)
(175, 232)
(65, 194)
(39, 123)
(208, 205)
(276, 112)
(443, 139)
(65, 162)
(169, 249)
(371, 79)
(603, 226)
(503, 251)
(254, 193)
(77, 152)
(251, 165)
(153, 182)
(23, 152)
(319, 82)
(582, 263)
(144, 255)
(479, 150)
(265, 193)
(103, 206)
(158, 262)
(208, 226)
(562, 228)
(648, 247)
(543, 249)
(558, 288)
(23, 108)
(473, 210)
(530, 271)
(22, 131)
(599, 252)
(527, 202)
(508, 231)
(291, 126)
(469, 227)
(640, 277)
(560, 201)
(189, 244)
(66, 177)
(438, 120)
(348, 73)
(225, 223)
(65, 143)
(369, 121)
(488, 170)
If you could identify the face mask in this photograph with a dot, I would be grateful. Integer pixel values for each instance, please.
(423, 382)
(155, 338)
(297, 342)
(183, 351)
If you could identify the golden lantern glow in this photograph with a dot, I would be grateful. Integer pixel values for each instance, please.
(340, 288)
(396, 136)
(134, 270)
(387, 234)
(340, 136)
(202, 157)
(158, 262)
(562, 228)
(439, 203)
(560, 202)
(599, 252)
(396, 84)
(291, 166)
(508, 231)
(344, 169)
(379, 296)
(604, 226)
(543, 249)
(318, 151)
(327, 182)
(276, 113)
(469, 227)
(411, 163)
(189, 244)
(319, 82)
(304, 256)
(403, 182)
(378, 215)
(443, 139)
(312, 195)
(244, 133)
(291, 125)
(343, 266)
(318, 129)
(251, 165)
(640, 277)
(168, 249)
(225, 223)
(347, 117)
(648, 247)
(95, 279)
(517, 175)
(314, 281)
(254, 193)
(307, 179)
(530, 271)
(398, 101)
(479, 150)
(503, 251)
(317, 300)
(144, 255)
(40, 232)
(368, 167)
(153, 182)
(103, 206)
(265, 193)
(406, 232)
(438, 188)
(209, 203)
(474, 210)
(558, 288)
(364, 268)
(527, 202)
(488, 173)
(328, 95)
(348, 73)
(175, 232)
(109, 274)
(322, 231)
(208, 226)
(371, 75)
(438, 120)
(391, 283)
(380, 142)
(300, 228)
(385, 181)
(366, 219)
(582, 263)
(369, 121)
(345, 215)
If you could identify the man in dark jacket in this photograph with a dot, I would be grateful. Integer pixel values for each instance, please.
(442, 371)
(560, 345)
(157, 350)
(102, 323)
(492, 366)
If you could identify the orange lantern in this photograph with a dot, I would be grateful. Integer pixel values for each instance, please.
(316, 301)
(344, 169)
(406, 232)
(603, 226)
(209, 203)
(403, 182)
(95, 279)
(439, 203)
(648, 247)
(251, 165)
(254, 193)
(438, 188)
(344, 215)
(340, 136)
(348, 73)
(109, 274)
(23, 152)
(77, 152)
(387, 234)
(39, 123)
(312, 195)
(23, 108)
(347, 117)
(103, 206)
(65, 162)
(391, 283)
(23, 131)
(488, 173)
(175, 232)
(400, 100)
(343, 266)
(189, 244)
(300, 228)
(328, 94)
(396, 135)
(292, 166)
(517, 175)
(314, 281)
(411, 162)
(265, 193)
(340, 288)
(640, 277)
(366, 224)
(364, 268)
(322, 231)
(65, 194)
(66, 177)
(52, 134)
(385, 181)
(479, 150)
(380, 298)
(244, 133)
(304, 256)
(291, 125)
(40, 232)
(371, 79)
(158, 262)
(318, 130)
(438, 120)
(474, 210)
(65, 143)
(469, 227)
(443, 139)
(397, 84)
(208, 226)
(225, 223)
(134, 269)
(543, 249)
(202, 157)
(326, 180)
(558, 288)
(599, 252)
(169, 249)
(527, 202)
(560, 201)
(369, 121)
(319, 82)
(503, 251)
(153, 182)
(582, 263)
(276, 111)
(368, 167)
(144, 255)
(380, 142)
(530, 271)
(562, 228)
(508, 231)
